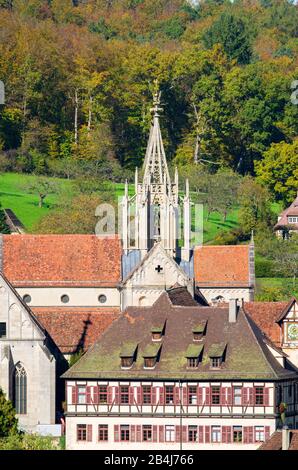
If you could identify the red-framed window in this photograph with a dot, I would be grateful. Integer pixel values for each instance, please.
(124, 433)
(215, 395)
(169, 394)
(103, 432)
(192, 395)
(192, 433)
(237, 434)
(146, 394)
(84, 432)
(124, 395)
(81, 395)
(102, 394)
(147, 433)
(259, 396)
(259, 434)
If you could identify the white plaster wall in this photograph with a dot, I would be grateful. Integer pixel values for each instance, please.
(236, 293)
(78, 296)
(72, 444)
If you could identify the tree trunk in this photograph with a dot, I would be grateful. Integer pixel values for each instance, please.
(90, 114)
(76, 116)
(41, 200)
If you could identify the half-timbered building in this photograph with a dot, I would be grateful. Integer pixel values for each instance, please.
(178, 375)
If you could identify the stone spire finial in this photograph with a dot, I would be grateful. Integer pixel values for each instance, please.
(252, 238)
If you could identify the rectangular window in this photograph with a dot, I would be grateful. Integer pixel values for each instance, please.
(259, 434)
(170, 433)
(81, 395)
(215, 395)
(103, 432)
(237, 434)
(215, 362)
(237, 396)
(169, 395)
(192, 433)
(82, 432)
(149, 362)
(124, 395)
(103, 394)
(215, 434)
(147, 433)
(259, 395)
(2, 330)
(192, 362)
(147, 397)
(124, 433)
(192, 395)
(126, 362)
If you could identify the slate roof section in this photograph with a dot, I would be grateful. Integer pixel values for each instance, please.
(225, 266)
(246, 357)
(290, 211)
(61, 260)
(266, 315)
(75, 328)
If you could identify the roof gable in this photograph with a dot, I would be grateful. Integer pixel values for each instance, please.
(290, 311)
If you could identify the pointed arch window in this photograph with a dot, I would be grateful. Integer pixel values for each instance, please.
(20, 389)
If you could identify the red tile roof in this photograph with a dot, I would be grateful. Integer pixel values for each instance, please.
(61, 260)
(75, 328)
(275, 441)
(290, 211)
(222, 265)
(265, 315)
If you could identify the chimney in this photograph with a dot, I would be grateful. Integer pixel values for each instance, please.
(233, 309)
(285, 438)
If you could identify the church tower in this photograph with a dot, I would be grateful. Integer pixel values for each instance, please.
(155, 208)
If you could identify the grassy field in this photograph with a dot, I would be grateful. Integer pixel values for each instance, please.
(14, 196)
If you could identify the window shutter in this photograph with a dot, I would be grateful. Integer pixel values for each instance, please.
(133, 433)
(96, 395)
(245, 435)
(110, 395)
(176, 396)
(154, 433)
(252, 396)
(117, 395)
(185, 395)
(223, 399)
(224, 435)
(251, 435)
(266, 396)
(89, 432)
(139, 433)
(229, 396)
(207, 434)
(161, 433)
(177, 433)
(229, 434)
(207, 396)
(139, 396)
(267, 432)
(131, 396)
(74, 393)
(201, 434)
(161, 396)
(116, 433)
(200, 395)
(154, 395)
(184, 433)
(244, 396)
(88, 395)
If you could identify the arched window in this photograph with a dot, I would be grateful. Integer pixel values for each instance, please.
(20, 389)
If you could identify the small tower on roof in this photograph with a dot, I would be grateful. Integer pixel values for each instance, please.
(156, 200)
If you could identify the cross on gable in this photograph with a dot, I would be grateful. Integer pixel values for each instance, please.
(159, 269)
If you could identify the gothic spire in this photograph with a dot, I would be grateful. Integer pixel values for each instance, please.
(155, 165)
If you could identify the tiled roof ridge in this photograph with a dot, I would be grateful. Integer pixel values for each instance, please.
(286, 309)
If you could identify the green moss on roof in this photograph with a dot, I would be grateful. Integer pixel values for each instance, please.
(151, 350)
(199, 328)
(157, 329)
(194, 350)
(128, 349)
(217, 350)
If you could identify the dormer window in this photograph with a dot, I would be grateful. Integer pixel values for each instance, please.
(128, 355)
(199, 331)
(157, 332)
(151, 355)
(216, 355)
(193, 355)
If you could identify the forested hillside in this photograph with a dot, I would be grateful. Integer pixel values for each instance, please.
(79, 78)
